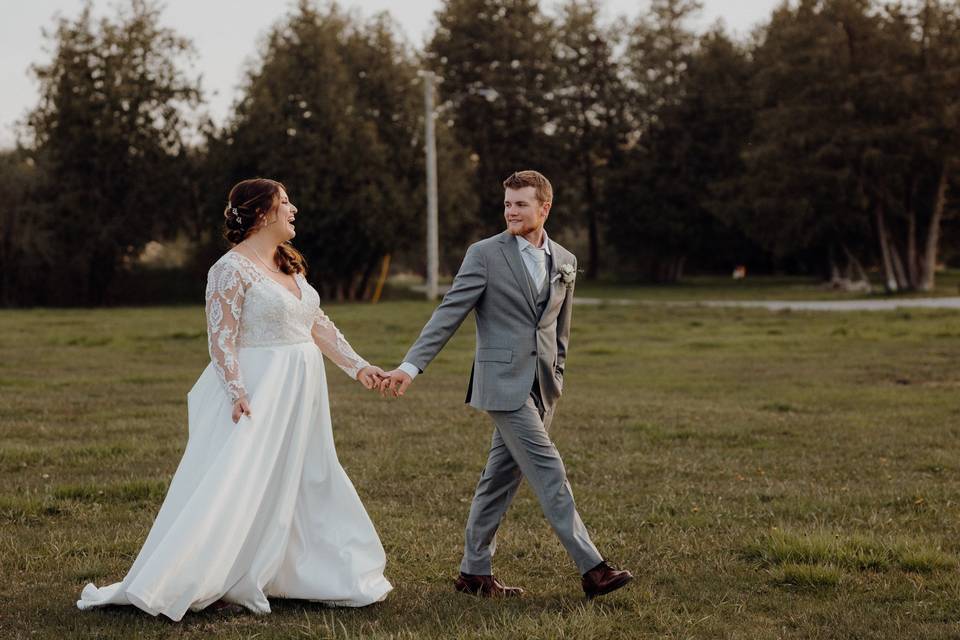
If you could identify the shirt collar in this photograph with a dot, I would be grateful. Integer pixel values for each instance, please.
(523, 243)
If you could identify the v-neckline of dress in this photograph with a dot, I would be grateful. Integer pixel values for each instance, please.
(264, 275)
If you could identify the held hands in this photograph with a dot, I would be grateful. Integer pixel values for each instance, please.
(395, 382)
(371, 377)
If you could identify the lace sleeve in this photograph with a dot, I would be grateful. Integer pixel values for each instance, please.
(333, 345)
(225, 293)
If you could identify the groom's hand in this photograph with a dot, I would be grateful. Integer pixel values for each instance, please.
(395, 382)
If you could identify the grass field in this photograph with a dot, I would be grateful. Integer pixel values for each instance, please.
(765, 475)
(699, 288)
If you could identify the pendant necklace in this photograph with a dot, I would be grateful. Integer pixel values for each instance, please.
(256, 253)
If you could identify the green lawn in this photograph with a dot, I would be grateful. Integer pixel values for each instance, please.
(696, 288)
(765, 475)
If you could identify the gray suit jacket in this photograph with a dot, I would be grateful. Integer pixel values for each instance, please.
(513, 344)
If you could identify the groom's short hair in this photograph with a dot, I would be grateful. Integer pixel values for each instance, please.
(530, 178)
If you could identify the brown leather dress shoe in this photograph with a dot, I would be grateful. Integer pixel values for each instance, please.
(485, 586)
(603, 579)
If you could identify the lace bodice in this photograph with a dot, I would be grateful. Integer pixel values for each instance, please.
(247, 308)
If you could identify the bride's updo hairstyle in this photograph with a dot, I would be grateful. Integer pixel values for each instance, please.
(247, 206)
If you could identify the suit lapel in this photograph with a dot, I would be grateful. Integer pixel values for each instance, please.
(508, 246)
(554, 260)
(557, 287)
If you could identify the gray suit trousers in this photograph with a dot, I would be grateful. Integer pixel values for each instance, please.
(521, 448)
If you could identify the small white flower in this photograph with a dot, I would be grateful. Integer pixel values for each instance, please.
(568, 273)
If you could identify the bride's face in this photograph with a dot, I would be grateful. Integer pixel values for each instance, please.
(279, 221)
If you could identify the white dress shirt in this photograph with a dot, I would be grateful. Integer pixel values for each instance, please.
(534, 259)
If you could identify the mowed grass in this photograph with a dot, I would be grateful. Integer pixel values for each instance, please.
(699, 288)
(765, 475)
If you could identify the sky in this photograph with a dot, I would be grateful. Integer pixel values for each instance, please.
(225, 34)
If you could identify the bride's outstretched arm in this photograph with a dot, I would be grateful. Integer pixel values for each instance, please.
(333, 345)
(225, 293)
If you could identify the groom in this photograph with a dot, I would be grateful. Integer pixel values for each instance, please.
(520, 285)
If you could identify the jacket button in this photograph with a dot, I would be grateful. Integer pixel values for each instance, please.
(533, 353)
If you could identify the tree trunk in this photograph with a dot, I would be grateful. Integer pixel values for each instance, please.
(898, 269)
(382, 279)
(852, 277)
(889, 279)
(912, 264)
(668, 269)
(364, 288)
(835, 277)
(859, 275)
(929, 258)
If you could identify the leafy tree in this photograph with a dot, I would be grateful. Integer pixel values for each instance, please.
(589, 107)
(908, 98)
(109, 138)
(334, 109)
(494, 58)
(654, 197)
(660, 45)
(798, 193)
(854, 144)
(666, 195)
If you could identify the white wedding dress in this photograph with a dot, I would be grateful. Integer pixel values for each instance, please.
(262, 507)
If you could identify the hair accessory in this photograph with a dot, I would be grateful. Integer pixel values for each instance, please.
(236, 213)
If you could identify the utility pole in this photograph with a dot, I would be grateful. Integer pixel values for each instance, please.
(433, 250)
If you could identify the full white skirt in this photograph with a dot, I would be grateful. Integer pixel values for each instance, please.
(259, 508)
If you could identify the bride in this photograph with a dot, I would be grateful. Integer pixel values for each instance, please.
(259, 505)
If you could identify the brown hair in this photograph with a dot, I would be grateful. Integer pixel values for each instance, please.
(247, 205)
(530, 178)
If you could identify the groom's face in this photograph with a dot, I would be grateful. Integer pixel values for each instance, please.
(523, 212)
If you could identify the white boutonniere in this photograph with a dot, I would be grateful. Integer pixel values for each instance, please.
(568, 274)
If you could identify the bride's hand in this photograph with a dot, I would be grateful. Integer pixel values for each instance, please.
(240, 408)
(370, 377)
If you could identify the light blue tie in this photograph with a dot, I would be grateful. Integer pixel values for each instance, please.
(539, 265)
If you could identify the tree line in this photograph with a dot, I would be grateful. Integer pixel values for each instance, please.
(825, 142)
